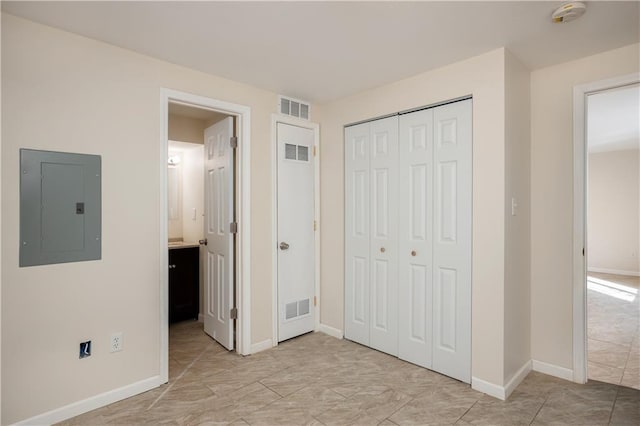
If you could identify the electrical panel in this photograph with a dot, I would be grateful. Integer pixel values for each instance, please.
(60, 207)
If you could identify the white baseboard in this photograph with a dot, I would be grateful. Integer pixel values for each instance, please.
(615, 271)
(517, 378)
(200, 318)
(502, 392)
(98, 401)
(490, 389)
(334, 332)
(261, 346)
(552, 370)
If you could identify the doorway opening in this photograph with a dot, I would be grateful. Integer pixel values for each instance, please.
(606, 231)
(204, 228)
(613, 234)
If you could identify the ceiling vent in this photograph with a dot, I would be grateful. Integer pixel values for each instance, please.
(294, 107)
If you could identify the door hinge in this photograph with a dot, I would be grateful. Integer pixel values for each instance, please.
(314, 150)
(233, 227)
(583, 251)
(315, 225)
(233, 314)
(315, 301)
(233, 141)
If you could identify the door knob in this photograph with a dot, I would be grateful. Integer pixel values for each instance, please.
(203, 242)
(382, 249)
(284, 246)
(413, 253)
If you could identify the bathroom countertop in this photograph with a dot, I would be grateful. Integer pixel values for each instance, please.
(181, 244)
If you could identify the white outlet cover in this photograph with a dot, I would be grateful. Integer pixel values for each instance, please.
(116, 342)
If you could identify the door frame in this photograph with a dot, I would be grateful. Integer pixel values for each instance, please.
(580, 94)
(243, 213)
(275, 119)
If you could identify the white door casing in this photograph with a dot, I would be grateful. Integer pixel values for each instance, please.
(219, 214)
(415, 290)
(452, 240)
(295, 230)
(384, 235)
(357, 248)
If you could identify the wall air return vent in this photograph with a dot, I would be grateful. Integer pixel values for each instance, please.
(294, 107)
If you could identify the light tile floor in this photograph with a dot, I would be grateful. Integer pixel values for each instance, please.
(613, 313)
(316, 379)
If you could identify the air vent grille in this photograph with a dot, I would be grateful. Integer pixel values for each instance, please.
(294, 107)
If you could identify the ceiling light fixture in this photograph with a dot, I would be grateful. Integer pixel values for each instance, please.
(568, 12)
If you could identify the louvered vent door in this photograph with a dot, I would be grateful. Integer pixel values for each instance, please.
(296, 239)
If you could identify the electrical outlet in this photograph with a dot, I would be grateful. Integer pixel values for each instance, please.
(85, 349)
(116, 342)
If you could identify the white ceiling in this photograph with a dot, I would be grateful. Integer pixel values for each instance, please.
(320, 51)
(613, 120)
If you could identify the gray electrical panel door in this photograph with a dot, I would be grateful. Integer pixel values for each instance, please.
(60, 207)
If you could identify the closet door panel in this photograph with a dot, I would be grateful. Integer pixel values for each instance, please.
(415, 237)
(357, 232)
(384, 235)
(452, 240)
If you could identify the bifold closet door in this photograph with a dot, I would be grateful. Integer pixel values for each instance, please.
(384, 235)
(371, 234)
(357, 251)
(435, 239)
(452, 154)
(415, 290)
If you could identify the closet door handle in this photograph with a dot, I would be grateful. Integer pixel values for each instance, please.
(413, 253)
(382, 249)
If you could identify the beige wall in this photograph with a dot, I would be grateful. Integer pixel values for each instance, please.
(53, 81)
(613, 215)
(552, 196)
(482, 77)
(517, 324)
(186, 129)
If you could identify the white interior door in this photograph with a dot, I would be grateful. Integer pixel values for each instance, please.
(296, 234)
(452, 240)
(415, 240)
(219, 214)
(357, 251)
(384, 235)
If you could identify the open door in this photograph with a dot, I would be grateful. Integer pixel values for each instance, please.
(219, 233)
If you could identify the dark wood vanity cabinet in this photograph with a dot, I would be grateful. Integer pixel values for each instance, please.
(184, 268)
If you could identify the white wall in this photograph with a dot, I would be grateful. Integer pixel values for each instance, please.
(64, 92)
(614, 217)
(174, 196)
(186, 129)
(517, 302)
(552, 196)
(482, 77)
(193, 194)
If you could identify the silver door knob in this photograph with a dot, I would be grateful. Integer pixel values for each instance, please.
(203, 242)
(284, 246)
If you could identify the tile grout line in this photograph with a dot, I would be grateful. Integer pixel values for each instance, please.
(468, 409)
(546, 398)
(615, 400)
(398, 409)
(176, 380)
